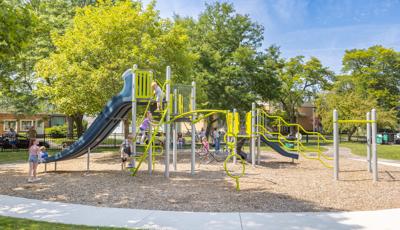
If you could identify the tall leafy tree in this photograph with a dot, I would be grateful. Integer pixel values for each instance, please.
(351, 105)
(51, 17)
(300, 82)
(374, 72)
(16, 25)
(106, 39)
(226, 43)
(16, 22)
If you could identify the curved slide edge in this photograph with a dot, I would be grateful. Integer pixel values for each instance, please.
(103, 125)
(275, 146)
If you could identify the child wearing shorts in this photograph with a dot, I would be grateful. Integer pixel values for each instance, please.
(33, 160)
(159, 94)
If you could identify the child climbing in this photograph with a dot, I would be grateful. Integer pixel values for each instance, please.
(146, 124)
(159, 94)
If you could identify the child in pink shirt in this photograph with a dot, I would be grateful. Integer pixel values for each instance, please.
(33, 160)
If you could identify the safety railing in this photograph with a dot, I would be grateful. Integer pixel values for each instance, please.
(282, 139)
(143, 80)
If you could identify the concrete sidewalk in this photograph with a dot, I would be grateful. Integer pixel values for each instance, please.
(150, 219)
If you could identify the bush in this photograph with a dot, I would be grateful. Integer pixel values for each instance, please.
(57, 131)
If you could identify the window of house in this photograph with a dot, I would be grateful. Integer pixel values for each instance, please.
(10, 124)
(56, 121)
(26, 124)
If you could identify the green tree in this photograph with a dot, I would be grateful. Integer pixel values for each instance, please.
(351, 105)
(16, 22)
(51, 16)
(229, 66)
(106, 39)
(300, 81)
(374, 72)
(226, 43)
(16, 25)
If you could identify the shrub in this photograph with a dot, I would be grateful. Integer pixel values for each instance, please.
(57, 131)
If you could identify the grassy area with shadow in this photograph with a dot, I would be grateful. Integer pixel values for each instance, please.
(10, 223)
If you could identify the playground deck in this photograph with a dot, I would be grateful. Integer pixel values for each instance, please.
(275, 186)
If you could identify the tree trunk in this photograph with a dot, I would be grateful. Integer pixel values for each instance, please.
(210, 121)
(78, 119)
(292, 120)
(350, 133)
(70, 127)
(126, 127)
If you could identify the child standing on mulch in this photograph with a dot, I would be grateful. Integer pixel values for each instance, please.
(33, 160)
(125, 152)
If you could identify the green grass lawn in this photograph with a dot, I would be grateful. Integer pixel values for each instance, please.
(10, 223)
(384, 151)
(9, 156)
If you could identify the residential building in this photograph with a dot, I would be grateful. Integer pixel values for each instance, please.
(22, 122)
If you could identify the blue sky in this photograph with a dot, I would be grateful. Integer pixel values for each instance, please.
(320, 28)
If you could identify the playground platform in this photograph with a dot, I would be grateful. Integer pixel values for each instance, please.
(150, 219)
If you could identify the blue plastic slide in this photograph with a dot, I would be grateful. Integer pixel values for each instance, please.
(105, 123)
(275, 146)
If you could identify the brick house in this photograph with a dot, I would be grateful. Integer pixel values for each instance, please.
(21, 122)
(306, 115)
(307, 118)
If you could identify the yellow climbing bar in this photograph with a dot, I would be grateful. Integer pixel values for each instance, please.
(204, 117)
(180, 103)
(248, 123)
(356, 121)
(282, 121)
(197, 112)
(148, 146)
(236, 125)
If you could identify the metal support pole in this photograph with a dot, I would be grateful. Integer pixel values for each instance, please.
(167, 124)
(175, 133)
(258, 149)
(88, 160)
(253, 134)
(258, 139)
(193, 153)
(133, 150)
(335, 145)
(234, 137)
(374, 154)
(150, 155)
(55, 165)
(45, 167)
(369, 142)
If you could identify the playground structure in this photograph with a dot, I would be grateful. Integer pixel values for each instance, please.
(175, 110)
(372, 158)
(180, 106)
